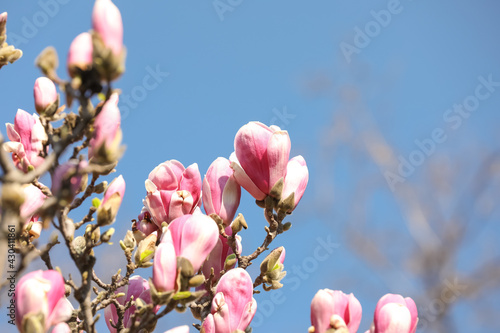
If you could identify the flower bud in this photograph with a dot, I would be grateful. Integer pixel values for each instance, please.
(394, 313)
(260, 159)
(45, 94)
(107, 22)
(40, 301)
(327, 303)
(189, 237)
(105, 145)
(113, 196)
(33, 201)
(80, 54)
(233, 306)
(221, 193)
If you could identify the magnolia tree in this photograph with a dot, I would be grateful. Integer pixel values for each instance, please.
(196, 257)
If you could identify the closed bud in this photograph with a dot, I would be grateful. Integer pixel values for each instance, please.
(287, 226)
(231, 260)
(45, 95)
(334, 311)
(106, 236)
(221, 193)
(105, 145)
(196, 280)
(48, 61)
(106, 213)
(99, 188)
(238, 224)
(129, 240)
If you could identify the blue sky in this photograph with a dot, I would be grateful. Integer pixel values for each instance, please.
(217, 71)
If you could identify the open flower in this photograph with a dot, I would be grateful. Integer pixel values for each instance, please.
(27, 136)
(172, 191)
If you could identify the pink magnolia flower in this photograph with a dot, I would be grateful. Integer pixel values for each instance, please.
(172, 191)
(261, 158)
(138, 288)
(45, 93)
(190, 236)
(116, 186)
(233, 306)
(42, 292)
(179, 329)
(395, 314)
(26, 140)
(33, 200)
(217, 258)
(144, 226)
(80, 54)
(107, 22)
(107, 132)
(221, 192)
(113, 196)
(327, 303)
(66, 173)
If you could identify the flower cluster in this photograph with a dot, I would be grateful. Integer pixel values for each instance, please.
(196, 256)
(332, 311)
